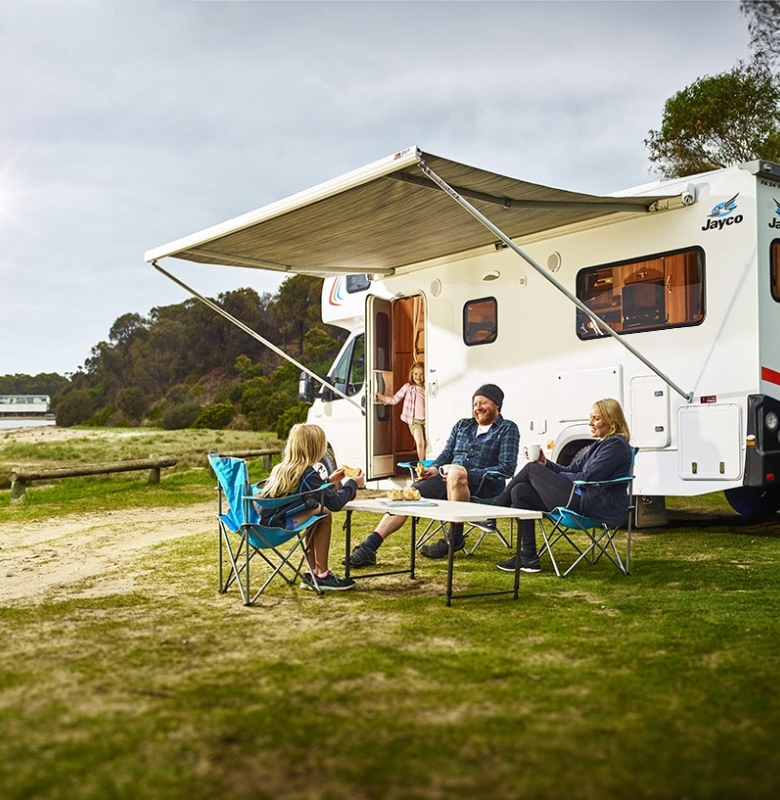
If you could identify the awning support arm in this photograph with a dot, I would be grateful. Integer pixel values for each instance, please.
(254, 334)
(688, 396)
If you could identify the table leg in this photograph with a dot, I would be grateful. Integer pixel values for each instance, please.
(414, 548)
(450, 562)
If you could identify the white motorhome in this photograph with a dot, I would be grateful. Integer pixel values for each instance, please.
(665, 296)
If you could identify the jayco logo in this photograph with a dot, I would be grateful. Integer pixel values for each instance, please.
(720, 216)
(775, 223)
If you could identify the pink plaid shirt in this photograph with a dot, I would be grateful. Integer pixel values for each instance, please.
(414, 402)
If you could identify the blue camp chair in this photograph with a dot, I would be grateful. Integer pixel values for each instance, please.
(242, 537)
(591, 539)
(435, 528)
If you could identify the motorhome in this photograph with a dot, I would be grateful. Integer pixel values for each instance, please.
(664, 296)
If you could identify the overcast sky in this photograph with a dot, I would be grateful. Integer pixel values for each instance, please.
(125, 124)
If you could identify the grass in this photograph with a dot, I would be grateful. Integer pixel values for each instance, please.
(184, 484)
(662, 684)
(100, 445)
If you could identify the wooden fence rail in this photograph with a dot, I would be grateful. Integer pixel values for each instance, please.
(266, 454)
(21, 477)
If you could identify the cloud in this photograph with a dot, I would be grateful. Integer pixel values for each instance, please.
(126, 125)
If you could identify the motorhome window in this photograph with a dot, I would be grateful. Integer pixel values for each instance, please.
(774, 266)
(382, 351)
(357, 371)
(341, 369)
(480, 321)
(357, 283)
(349, 373)
(656, 292)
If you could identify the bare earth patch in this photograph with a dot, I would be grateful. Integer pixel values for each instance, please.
(44, 559)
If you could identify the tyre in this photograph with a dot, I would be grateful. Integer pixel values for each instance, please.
(754, 502)
(326, 466)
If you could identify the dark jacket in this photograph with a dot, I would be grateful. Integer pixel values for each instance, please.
(311, 480)
(604, 460)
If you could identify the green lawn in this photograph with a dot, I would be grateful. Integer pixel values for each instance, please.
(662, 684)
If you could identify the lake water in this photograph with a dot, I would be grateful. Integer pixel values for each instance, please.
(25, 423)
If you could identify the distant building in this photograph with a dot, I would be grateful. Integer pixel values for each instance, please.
(24, 405)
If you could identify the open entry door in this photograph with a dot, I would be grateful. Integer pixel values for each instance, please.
(379, 418)
(395, 339)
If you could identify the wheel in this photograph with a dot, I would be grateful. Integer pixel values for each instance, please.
(326, 466)
(754, 502)
(572, 452)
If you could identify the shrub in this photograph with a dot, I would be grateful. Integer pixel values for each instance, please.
(74, 408)
(180, 416)
(229, 393)
(293, 415)
(101, 417)
(132, 402)
(178, 395)
(215, 417)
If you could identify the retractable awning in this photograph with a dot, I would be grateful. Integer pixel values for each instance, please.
(388, 216)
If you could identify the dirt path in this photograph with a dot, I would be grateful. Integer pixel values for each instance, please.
(45, 559)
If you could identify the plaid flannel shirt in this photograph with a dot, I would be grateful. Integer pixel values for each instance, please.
(495, 450)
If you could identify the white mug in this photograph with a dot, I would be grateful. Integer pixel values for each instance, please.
(532, 452)
(444, 469)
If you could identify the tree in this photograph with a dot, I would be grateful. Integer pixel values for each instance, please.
(126, 328)
(43, 383)
(132, 402)
(719, 121)
(74, 408)
(297, 308)
(764, 25)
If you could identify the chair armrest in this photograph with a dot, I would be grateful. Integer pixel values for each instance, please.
(624, 479)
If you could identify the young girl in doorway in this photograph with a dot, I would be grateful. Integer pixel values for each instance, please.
(295, 474)
(413, 410)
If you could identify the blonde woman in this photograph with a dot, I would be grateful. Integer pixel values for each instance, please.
(295, 474)
(543, 485)
(413, 409)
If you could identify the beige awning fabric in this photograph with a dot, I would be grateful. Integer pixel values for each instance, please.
(388, 216)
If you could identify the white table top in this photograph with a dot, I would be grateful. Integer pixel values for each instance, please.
(442, 510)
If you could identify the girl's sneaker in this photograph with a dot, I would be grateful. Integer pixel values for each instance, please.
(330, 583)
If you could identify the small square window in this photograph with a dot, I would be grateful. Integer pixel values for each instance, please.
(480, 321)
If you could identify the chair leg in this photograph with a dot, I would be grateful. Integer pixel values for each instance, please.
(483, 534)
(431, 529)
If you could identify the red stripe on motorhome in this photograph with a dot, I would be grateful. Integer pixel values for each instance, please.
(770, 375)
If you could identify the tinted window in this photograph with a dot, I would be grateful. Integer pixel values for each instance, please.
(480, 321)
(357, 283)
(664, 291)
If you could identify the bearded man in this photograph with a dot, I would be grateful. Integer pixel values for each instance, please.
(478, 450)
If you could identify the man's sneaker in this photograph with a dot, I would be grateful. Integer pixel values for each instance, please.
(440, 549)
(526, 564)
(361, 556)
(330, 583)
(487, 525)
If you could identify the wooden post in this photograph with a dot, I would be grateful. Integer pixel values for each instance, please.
(17, 491)
(154, 475)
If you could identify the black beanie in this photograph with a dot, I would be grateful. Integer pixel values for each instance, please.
(492, 392)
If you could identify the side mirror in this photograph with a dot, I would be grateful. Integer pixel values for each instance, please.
(306, 388)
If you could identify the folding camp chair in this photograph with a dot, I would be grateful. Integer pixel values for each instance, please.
(242, 537)
(591, 539)
(433, 528)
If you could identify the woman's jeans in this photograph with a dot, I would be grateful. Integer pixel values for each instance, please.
(539, 489)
